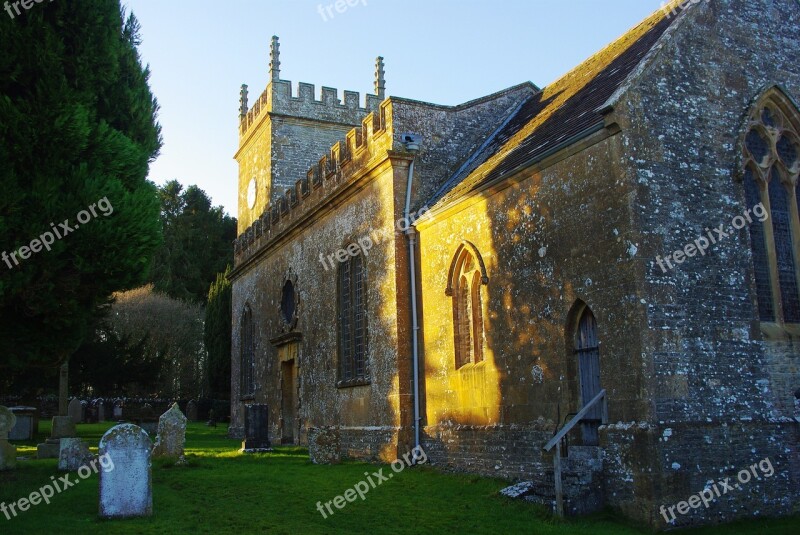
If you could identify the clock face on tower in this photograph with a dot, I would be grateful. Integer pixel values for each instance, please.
(251, 193)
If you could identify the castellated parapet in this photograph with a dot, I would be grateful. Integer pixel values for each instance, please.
(278, 99)
(286, 129)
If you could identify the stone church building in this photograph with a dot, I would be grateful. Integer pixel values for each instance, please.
(614, 258)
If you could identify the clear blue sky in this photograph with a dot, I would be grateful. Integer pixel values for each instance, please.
(442, 51)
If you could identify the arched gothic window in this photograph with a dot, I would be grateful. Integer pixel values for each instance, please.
(467, 273)
(771, 159)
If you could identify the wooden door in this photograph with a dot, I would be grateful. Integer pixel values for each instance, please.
(288, 402)
(588, 350)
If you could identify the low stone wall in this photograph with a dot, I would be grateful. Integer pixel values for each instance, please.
(509, 451)
(47, 406)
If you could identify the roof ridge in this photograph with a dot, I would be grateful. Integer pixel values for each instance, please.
(611, 65)
(473, 102)
(472, 157)
(650, 21)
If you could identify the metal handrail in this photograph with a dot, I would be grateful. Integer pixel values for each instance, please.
(577, 418)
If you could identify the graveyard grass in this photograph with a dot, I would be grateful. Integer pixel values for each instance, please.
(223, 491)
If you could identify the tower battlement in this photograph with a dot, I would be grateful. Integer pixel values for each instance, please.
(279, 98)
(287, 128)
(323, 180)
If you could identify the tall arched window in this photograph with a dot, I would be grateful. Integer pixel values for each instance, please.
(771, 151)
(352, 308)
(467, 273)
(247, 385)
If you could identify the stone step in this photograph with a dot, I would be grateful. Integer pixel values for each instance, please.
(585, 453)
(580, 475)
(578, 466)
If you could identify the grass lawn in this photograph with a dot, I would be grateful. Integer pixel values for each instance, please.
(223, 491)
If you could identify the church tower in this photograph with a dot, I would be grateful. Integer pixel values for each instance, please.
(282, 135)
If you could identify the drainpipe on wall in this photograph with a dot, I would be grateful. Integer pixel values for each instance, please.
(412, 143)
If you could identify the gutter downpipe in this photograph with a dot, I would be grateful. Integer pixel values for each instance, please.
(411, 232)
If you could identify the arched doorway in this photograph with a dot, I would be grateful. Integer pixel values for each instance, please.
(587, 349)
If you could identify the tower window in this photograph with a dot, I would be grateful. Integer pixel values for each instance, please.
(247, 385)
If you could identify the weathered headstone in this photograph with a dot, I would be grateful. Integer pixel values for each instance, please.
(27, 424)
(63, 427)
(117, 411)
(256, 430)
(101, 411)
(75, 410)
(126, 491)
(73, 454)
(191, 411)
(8, 453)
(171, 433)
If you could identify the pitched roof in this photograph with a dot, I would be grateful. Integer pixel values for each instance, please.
(561, 112)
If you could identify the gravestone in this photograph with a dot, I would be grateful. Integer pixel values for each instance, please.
(63, 427)
(8, 453)
(73, 454)
(147, 419)
(101, 411)
(191, 411)
(117, 411)
(256, 430)
(27, 424)
(171, 433)
(126, 490)
(75, 410)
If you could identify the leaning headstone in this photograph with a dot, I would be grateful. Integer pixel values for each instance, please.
(171, 433)
(75, 410)
(126, 491)
(256, 438)
(63, 427)
(8, 453)
(27, 424)
(191, 411)
(73, 454)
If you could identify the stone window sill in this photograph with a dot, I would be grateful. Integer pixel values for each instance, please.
(779, 331)
(358, 381)
(471, 366)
